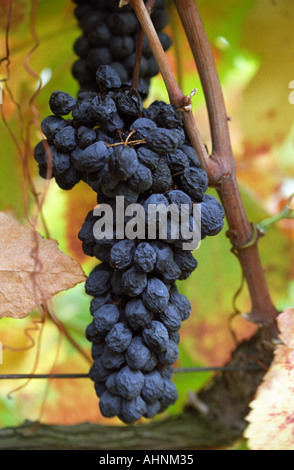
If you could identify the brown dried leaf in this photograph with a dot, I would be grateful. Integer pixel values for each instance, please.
(271, 419)
(32, 269)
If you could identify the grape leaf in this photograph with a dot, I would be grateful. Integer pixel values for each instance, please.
(32, 269)
(271, 419)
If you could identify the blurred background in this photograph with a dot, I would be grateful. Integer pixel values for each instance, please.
(253, 46)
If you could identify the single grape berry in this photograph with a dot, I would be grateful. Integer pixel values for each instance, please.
(133, 282)
(107, 78)
(98, 282)
(110, 404)
(132, 410)
(195, 183)
(61, 103)
(65, 139)
(51, 125)
(137, 315)
(129, 383)
(156, 296)
(162, 140)
(91, 159)
(156, 336)
(137, 354)
(119, 338)
(105, 318)
(122, 163)
(122, 253)
(145, 257)
(171, 318)
(153, 386)
(112, 360)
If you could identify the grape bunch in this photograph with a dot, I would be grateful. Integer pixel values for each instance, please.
(120, 148)
(109, 35)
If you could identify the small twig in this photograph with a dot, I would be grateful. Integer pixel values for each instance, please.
(286, 214)
(127, 142)
(178, 173)
(129, 136)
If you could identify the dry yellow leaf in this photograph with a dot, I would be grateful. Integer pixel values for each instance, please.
(32, 269)
(271, 419)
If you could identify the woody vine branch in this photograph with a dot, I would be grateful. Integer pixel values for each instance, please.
(220, 166)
